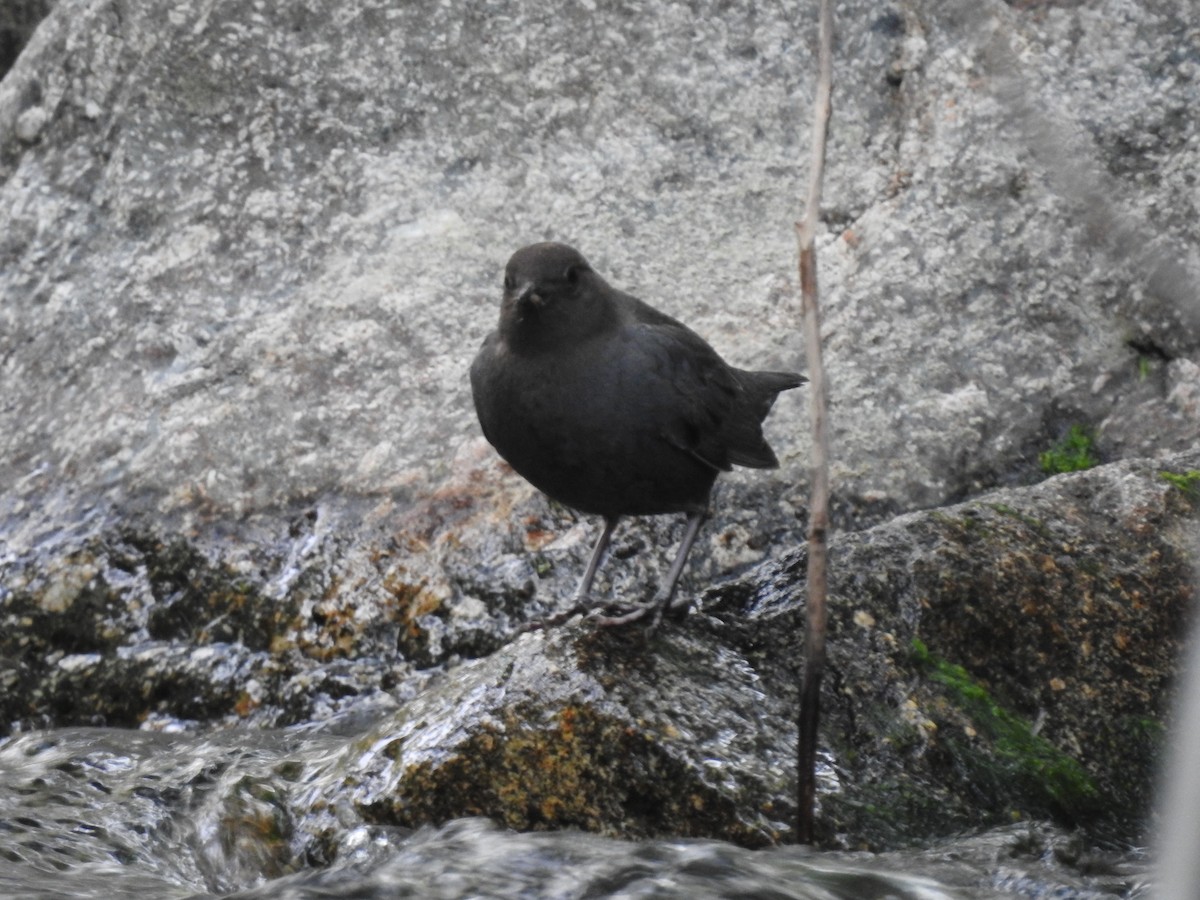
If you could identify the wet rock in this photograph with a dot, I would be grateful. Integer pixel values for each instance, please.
(132, 631)
(1011, 656)
(1007, 657)
(593, 730)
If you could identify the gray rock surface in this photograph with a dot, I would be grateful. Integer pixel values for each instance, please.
(248, 253)
(18, 20)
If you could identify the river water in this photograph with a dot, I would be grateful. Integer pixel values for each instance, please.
(114, 814)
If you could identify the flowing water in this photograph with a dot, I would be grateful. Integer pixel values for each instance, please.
(117, 814)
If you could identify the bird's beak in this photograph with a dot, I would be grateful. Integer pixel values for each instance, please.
(528, 296)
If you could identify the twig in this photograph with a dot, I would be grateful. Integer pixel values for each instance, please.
(818, 513)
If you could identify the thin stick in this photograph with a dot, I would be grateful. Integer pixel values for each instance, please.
(818, 514)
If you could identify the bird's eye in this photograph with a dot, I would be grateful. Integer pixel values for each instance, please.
(572, 274)
(509, 282)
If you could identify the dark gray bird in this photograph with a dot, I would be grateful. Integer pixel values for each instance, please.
(612, 407)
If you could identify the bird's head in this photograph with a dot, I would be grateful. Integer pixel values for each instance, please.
(551, 296)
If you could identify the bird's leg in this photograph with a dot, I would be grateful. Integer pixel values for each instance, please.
(662, 600)
(583, 602)
(666, 593)
(589, 575)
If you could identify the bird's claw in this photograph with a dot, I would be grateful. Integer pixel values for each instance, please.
(624, 616)
(650, 613)
(581, 606)
(612, 615)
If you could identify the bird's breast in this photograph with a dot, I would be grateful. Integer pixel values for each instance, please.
(587, 428)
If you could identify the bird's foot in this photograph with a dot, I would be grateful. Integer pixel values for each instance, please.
(611, 615)
(650, 613)
(581, 606)
(623, 615)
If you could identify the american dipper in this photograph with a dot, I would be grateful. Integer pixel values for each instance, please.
(612, 407)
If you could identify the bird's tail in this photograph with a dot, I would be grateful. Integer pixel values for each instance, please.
(747, 446)
(777, 381)
(764, 387)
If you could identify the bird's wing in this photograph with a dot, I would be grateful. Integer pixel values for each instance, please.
(691, 394)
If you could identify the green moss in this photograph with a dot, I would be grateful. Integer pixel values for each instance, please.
(1049, 776)
(1072, 454)
(1188, 482)
(1004, 509)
